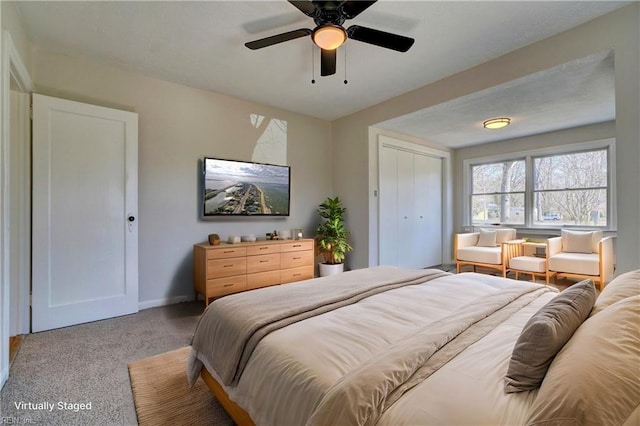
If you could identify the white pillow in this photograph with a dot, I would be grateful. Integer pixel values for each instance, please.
(506, 234)
(577, 241)
(487, 238)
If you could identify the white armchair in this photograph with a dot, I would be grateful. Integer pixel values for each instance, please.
(488, 248)
(579, 254)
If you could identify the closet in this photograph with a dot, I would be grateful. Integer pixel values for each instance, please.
(410, 207)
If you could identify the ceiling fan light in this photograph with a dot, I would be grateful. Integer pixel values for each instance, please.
(496, 123)
(329, 37)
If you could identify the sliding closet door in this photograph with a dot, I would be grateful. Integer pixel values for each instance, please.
(407, 241)
(388, 206)
(410, 208)
(428, 209)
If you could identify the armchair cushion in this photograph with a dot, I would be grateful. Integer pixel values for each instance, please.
(487, 238)
(505, 234)
(581, 241)
(478, 254)
(576, 242)
(575, 263)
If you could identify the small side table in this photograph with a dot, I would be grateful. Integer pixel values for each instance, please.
(531, 263)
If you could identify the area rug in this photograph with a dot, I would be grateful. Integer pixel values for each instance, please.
(162, 395)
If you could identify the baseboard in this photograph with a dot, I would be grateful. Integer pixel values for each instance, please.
(147, 304)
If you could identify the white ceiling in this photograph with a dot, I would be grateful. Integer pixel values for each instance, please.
(200, 44)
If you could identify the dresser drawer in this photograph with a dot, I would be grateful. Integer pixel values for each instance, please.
(225, 252)
(263, 279)
(221, 286)
(263, 249)
(265, 262)
(296, 274)
(297, 246)
(217, 268)
(294, 259)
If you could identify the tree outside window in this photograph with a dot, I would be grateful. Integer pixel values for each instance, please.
(571, 189)
(498, 193)
(568, 189)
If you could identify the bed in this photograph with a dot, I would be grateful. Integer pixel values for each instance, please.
(391, 346)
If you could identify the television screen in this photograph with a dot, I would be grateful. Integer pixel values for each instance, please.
(245, 188)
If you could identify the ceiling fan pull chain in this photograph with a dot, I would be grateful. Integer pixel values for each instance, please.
(313, 66)
(345, 65)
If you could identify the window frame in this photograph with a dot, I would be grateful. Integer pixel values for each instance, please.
(498, 193)
(529, 156)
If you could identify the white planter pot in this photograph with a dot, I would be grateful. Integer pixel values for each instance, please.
(326, 269)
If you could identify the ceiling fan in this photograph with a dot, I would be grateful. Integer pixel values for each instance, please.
(329, 34)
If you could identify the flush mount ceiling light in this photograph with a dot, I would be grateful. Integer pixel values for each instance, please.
(329, 36)
(496, 123)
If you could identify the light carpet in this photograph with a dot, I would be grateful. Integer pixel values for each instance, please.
(162, 395)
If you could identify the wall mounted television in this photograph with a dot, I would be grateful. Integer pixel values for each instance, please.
(242, 188)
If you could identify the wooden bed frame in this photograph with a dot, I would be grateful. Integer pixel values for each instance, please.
(237, 413)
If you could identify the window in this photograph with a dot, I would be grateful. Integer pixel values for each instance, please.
(498, 192)
(571, 189)
(543, 189)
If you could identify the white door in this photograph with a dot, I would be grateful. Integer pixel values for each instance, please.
(85, 234)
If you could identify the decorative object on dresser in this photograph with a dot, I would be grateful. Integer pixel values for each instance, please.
(230, 268)
(332, 236)
(214, 239)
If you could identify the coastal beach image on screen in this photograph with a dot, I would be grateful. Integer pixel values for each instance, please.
(245, 188)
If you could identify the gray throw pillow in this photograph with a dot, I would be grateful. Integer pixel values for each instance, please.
(545, 334)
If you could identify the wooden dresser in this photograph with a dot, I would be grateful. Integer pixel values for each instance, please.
(230, 268)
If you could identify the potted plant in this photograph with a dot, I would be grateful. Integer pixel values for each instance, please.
(332, 236)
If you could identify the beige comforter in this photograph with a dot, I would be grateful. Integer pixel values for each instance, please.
(231, 327)
(359, 394)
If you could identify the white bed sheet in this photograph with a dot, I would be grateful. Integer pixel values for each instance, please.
(291, 368)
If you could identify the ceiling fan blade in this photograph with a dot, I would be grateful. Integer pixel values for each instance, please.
(304, 6)
(327, 62)
(269, 41)
(380, 38)
(353, 8)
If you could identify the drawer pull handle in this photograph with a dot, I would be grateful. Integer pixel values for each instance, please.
(229, 251)
(297, 245)
(296, 275)
(297, 258)
(264, 248)
(228, 285)
(227, 266)
(264, 261)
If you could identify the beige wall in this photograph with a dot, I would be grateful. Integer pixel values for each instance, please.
(178, 126)
(12, 23)
(618, 30)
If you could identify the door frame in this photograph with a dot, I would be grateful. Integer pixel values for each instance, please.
(416, 145)
(12, 69)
